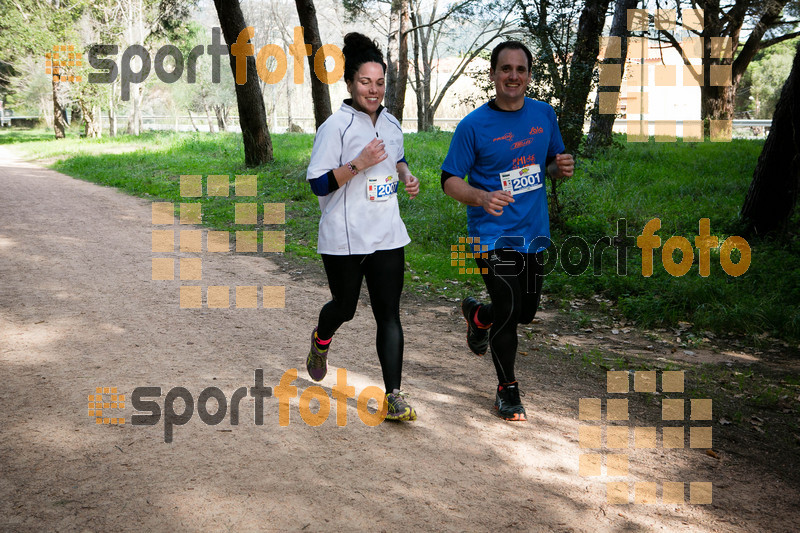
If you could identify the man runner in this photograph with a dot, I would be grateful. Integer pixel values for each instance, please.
(504, 147)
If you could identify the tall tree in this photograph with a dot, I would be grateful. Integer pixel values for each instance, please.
(602, 124)
(147, 22)
(252, 115)
(581, 69)
(772, 196)
(550, 25)
(398, 31)
(32, 27)
(397, 58)
(726, 20)
(319, 89)
(480, 23)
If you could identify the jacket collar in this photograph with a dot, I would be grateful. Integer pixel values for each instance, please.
(347, 105)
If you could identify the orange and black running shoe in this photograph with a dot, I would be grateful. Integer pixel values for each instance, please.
(508, 404)
(477, 338)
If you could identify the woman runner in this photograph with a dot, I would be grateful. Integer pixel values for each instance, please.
(356, 164)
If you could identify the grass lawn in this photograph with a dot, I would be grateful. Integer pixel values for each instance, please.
(678, 183)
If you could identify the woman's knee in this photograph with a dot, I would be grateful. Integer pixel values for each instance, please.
(345, 309)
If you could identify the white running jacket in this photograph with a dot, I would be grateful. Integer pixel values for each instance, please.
(351, 223)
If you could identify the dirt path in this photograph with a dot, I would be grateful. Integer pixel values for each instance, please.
(78, 310)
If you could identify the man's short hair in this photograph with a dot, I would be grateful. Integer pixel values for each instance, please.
(511, 45)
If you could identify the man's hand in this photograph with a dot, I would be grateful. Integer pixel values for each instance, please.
(494, 202)
(411, 183)
(563, 166)
(371, 155)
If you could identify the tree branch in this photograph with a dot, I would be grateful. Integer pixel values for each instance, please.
(676, 45)
(752, 45)
(498, 31)
(776, 40)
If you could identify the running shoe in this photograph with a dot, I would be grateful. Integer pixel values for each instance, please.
(317, 361)
(508, 404)
(477, 338)
(399, 410)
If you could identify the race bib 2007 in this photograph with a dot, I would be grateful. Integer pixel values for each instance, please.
(522, 180)
(381, 189)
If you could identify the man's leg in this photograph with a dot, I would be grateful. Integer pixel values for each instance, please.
(506, 289)
(532, 278)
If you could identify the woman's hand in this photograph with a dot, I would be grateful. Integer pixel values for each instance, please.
(411, 183)
(371, 155)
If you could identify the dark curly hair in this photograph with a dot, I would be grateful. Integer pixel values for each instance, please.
(360, 49)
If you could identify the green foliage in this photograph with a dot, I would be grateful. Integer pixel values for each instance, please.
(762, 83)
(679, 183)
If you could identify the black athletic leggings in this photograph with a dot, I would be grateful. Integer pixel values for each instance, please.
(514, 283)
(383, 271)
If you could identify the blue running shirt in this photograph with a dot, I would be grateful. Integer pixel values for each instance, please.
(489, 142)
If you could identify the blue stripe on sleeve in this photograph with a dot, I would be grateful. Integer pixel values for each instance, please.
(325, 184)
(319, 186)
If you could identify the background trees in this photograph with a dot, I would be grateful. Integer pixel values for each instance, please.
(772, 196)
(429, 45)
(724, 24)
(252, 115)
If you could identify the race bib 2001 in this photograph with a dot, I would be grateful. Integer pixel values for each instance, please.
(381, 189)
(522, 180)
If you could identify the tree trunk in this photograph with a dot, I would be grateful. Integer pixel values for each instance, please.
(397, 59)
(252, 115)
(772, 196)
(75, 114)
(91, 126)
(191, 119)
(423, 87)
(417, 78)
(59, 118)
(718, 102)
(208, 119)
(392, 54)
(307, 14)
(135, 115)
(288, 105)
(603, 124)
(112, 111)
(219, 111)
(584, 57)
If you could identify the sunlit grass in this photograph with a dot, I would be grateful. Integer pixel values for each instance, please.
(678, 183)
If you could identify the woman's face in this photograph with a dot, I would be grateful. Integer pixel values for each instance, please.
(367, 88)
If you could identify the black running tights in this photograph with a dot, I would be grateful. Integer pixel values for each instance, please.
(514, 283)
(383, 271)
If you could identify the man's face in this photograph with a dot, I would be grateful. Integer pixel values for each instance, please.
(511, 75)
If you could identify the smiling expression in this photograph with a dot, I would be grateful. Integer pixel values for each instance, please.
(511, 78)
(367, 88)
